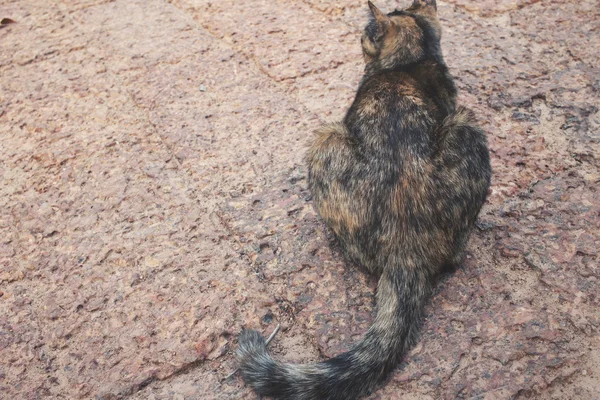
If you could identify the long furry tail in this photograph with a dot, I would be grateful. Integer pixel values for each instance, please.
(401, 296)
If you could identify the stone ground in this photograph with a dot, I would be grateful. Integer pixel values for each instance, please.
(153, 198)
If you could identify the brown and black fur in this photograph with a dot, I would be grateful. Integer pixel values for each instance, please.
(400, 183)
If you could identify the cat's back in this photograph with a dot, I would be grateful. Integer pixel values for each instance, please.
(388, 90)
(427, 86)
(393, 111)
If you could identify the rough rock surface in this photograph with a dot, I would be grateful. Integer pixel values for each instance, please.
(153, 198)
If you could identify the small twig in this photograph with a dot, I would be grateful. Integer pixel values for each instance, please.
(229, 376)
(271, 336)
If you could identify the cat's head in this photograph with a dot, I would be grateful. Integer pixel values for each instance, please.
(402, 37)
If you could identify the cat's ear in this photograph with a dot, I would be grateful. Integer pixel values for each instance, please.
(425, 3)
(382, 20)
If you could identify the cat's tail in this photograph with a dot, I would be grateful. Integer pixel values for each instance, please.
(401, 296)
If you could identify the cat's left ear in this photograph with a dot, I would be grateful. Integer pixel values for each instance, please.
(382, 20)
(425, 3)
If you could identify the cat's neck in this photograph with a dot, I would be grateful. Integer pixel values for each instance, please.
(408, 66)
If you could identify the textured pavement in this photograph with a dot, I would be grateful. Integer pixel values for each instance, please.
(153, 198)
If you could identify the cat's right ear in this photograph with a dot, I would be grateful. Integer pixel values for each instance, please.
(425, 3)
(382, 21)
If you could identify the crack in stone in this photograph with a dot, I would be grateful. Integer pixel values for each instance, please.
(253, 59)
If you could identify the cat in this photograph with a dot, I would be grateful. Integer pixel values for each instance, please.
(400, 182)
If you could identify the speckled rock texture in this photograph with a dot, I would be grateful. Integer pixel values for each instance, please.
(153, 198)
